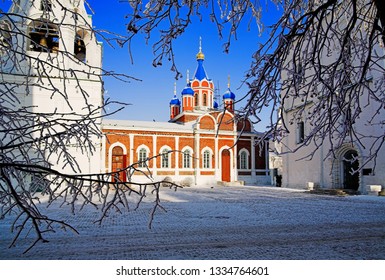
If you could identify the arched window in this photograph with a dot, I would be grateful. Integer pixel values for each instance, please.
(80, 47)
(300, 132)
(46, 5)
(196, 99)
(187, 159)
(5, 36)
(243, 160)
(165, 158)
(15, 8)
(44, 37)
(205, 99)
(299, 74)
(142, 157)
(206, 159)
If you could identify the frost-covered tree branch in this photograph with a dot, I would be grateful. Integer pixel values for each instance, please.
(165, 21)
(323, 64)
(323, 61)
(51, 107)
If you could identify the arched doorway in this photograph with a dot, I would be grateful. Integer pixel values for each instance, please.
(118, 164)
(226, 166)
(350, 166)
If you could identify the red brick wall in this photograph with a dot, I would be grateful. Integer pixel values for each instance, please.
(116, 136)
(226, 123)
(204, 142)
(165, 141)
(260, 155)
(207, 123)
(244, 144)
(244, 125)
(185, 139)
(186, 118)
(142, 140)
(183, 142)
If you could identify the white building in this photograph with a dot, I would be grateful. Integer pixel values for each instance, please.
(335, 161)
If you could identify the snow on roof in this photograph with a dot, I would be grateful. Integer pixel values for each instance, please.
(147, 125)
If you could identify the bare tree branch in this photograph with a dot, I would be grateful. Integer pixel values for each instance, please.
(44, 57)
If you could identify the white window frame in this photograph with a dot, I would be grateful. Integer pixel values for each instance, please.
(142, 158)
(140, 148)
(244, 165)
(165, 161)
(187, 158)
(207, 158)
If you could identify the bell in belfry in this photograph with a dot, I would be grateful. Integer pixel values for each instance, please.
(43, 42)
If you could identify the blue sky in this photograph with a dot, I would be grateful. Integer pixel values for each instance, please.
(150, 97)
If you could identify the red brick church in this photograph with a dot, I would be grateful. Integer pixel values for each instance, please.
(201, 143)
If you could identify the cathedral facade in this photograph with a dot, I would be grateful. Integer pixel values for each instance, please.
(201, 144)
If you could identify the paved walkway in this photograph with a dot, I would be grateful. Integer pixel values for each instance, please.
(221, 223)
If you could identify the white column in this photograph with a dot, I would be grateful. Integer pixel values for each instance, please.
(177, 155)
(196, 155)
(131, 149)
(218, 172)
(103, 156)
(267, 167)
(154, 153)
(252, 148)
(235, 160)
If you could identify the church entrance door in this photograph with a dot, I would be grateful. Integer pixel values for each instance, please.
(118, 164)
(350, 164)
(226, 166)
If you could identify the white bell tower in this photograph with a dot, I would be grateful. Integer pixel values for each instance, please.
(51, 61)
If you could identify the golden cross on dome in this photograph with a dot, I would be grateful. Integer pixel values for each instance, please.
(200, 54)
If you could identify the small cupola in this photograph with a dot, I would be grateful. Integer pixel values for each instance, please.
(188, 95)
(215, 106)
(174, 105)
(229, 98)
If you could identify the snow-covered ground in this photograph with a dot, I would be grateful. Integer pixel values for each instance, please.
(220, 223)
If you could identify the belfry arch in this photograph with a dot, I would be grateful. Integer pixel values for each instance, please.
(79, 45)
(44, 36)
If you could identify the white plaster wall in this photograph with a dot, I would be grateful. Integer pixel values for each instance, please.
(39, 97)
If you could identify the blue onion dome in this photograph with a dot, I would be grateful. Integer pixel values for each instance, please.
(188, 91)
(229, 95)
(216, 105)
(175, 101)
(200, 72)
